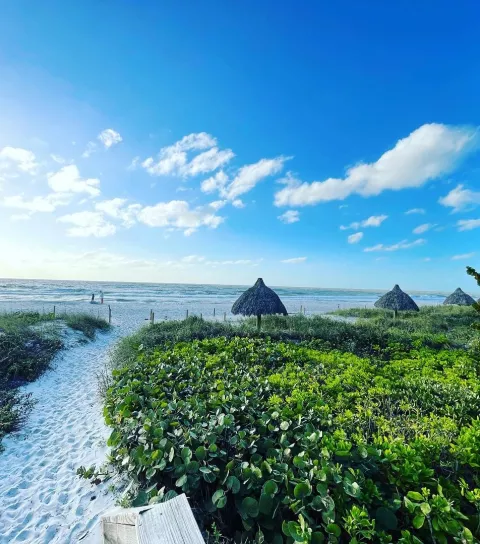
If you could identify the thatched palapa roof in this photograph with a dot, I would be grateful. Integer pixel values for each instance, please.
(460, 298)
(396, 299)
(259, 300)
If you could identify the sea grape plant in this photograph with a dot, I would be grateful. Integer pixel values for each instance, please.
(277, 442)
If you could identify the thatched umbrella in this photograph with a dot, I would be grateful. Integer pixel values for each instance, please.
(396, 300)
(460, 298)
(259, 300)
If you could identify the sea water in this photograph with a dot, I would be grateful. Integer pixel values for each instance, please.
(172, 301)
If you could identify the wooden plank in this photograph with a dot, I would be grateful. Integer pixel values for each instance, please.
(171, 522)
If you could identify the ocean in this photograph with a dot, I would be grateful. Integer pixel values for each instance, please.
(171, 301)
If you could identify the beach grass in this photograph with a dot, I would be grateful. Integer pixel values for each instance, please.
(372, 334)
(28, 343)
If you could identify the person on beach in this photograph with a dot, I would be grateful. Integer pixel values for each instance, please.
(101, 297)
(93, 297)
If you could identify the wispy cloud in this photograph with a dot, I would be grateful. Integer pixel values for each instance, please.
(468, 224)
(355, 238)
(463, 256)
(413, 211)
(117, 208)
(238, 203)
(109, 137)
(41, 204)
(250, 175)
(295, 260)
(404, 244)
(290, 216)
(88, 224)
(178, 214)
(177, 159)
(14, 160)
(423, 228)
(460, 199)
(427, 153)
(372, 221)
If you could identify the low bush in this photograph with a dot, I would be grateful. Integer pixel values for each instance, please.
(454, 323)
(362, 339)
(86, 323)
(279, 442)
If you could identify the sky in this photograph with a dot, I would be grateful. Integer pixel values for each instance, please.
(321, 144)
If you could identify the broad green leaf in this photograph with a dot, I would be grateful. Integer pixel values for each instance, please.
(265, 504)
(250, 506)
(270, 487)
(233, 483)
(418, 521)
(334, 529)
(415, 496)
(302, 490)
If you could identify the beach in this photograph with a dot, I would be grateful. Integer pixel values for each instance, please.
(42, 499)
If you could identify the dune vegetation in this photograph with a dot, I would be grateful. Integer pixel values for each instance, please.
(312, 430)
(28, 343)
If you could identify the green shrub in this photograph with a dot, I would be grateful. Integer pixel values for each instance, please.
(86, 323)
(279, 442)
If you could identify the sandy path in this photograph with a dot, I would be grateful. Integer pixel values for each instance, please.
(41, 497)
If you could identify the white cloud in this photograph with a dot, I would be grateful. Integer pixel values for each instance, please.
(214, 183)
(290, 216)
(218, 204)
(109, 137)
(117, 209)
(135, 162)
(460, 199)
(193, 259)
(91, 148)
(174, 160)
(20, 217)
(295, 260)
(463, 256)
(178, 214)
(423, 228)
(404, 244)
(468, 224)
(419, 211)
(372, 221)
(57, 159)
(16, 158)
(88, 224)
(248, 176)
(355, 238)
(208, 161)
(427, 153)
(238, 203)
(427, 259)
(232, 262)
(68, 180)
(45, 204)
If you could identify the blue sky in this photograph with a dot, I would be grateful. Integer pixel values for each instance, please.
(314, 144)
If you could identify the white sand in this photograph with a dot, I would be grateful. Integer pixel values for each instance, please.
(41, 497)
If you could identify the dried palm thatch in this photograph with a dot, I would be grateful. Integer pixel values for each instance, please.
(259, 300)
(396, 300)
(460, 298)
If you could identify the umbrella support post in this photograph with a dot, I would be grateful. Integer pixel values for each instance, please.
(259, 322)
